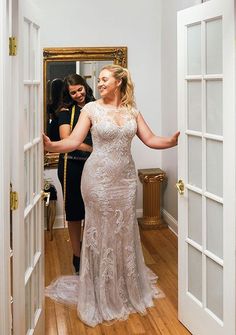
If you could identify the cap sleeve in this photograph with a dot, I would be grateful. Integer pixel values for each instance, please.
(135, 112)
(88, 110)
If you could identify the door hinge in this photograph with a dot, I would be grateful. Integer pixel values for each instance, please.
(14, 202)
(12, 46)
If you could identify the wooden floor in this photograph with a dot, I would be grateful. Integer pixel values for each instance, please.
(160, 252)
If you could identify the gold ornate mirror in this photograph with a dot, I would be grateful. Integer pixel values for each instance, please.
(60, 62)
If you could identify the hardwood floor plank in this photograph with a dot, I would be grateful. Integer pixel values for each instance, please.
(170, 319)
(63, 322)
(135, 324)
(50, 318)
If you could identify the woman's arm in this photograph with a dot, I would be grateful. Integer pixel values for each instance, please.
(71, 142)
(151, 140)
(65, 131)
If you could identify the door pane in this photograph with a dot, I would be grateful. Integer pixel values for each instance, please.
(214, 106)
(214, 165)
(37, 165)
(36, 112)
(194, 105)
(195, 217)
(33, 112)
(35, 235)
(26, 179)
(26, 114)
(215, 288)
(39, 241)
(35, 169)
(36, 298)
(194, 49)
(195, 272)
(35, 52)
(214, 227)
(195, 161)
(28, 314)
(214, 47)
(27, 241)
(26, 49)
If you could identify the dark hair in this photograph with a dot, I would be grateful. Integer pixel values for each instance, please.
(74, 79)
(56, 90)
(54, 94)
(54, 97)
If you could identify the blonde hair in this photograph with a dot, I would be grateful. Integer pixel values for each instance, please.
(127, 86)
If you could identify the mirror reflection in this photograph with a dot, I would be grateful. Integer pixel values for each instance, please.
(55, 77)
(59, 63)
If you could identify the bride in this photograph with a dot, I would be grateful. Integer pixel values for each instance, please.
(114, 280)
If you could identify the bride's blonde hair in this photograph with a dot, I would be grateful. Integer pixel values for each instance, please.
(127, 86)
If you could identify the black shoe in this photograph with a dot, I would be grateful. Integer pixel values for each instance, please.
(76, 263)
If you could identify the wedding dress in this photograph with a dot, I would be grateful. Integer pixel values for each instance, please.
(113, 280)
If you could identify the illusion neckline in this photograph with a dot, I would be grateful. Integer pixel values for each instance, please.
(108, 106)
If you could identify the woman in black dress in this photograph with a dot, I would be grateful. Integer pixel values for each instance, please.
(75, 95)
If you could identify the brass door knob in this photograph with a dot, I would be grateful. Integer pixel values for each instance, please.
(45, 195)
(180, 186)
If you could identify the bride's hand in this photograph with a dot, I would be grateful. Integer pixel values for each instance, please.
(174, 139)
(47, 143)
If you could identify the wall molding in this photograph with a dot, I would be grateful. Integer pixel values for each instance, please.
(139, 213)
(59, 222)
(170, 220)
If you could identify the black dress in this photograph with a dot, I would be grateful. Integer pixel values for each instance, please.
(74, 205)
(52, 122)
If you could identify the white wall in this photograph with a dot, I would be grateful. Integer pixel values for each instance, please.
(169, 98)
(148, 29)
(136, 25)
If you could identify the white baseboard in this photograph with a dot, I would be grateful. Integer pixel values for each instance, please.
(172, 222)
(139, 213)
(59, 222)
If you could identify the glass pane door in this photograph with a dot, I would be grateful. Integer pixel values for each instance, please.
(205, 169)
(206, 220)
(33, 220)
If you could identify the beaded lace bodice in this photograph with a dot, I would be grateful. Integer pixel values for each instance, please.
(112, 132)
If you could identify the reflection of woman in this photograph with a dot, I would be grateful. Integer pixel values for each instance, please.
(55, 92)
(114, 280)
(75, 94)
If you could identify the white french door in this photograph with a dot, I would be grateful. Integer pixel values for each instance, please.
(26, 175)
(5, 114)
(206, 113)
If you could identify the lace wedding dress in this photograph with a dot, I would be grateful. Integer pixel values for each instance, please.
(113, 280)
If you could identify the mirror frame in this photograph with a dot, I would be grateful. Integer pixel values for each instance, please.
(116, 54)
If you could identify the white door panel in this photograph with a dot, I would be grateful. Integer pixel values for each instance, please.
(206, 112)
(27, 168)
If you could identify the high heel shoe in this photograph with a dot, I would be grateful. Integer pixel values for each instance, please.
(76, 263)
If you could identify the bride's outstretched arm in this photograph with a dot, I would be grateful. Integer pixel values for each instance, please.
(151, 140)
(71, 142)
